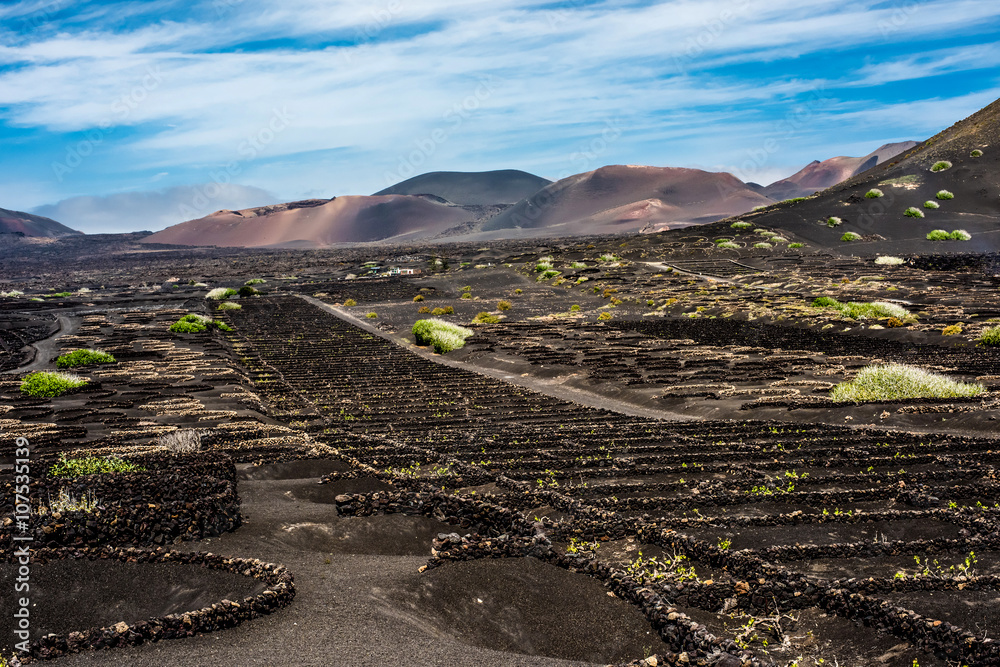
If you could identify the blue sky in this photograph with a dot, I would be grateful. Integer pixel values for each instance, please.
(120, 116)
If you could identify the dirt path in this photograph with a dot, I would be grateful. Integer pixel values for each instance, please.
(45, 347)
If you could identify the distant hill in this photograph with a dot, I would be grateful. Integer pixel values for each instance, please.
(26, 224)
(505, 186)
(818, 175)
(322, 222)
(626, 198)
(906, 181)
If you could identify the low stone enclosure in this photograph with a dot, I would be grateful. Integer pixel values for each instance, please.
(746, 521)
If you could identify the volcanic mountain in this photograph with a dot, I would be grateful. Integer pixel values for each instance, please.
(505, 186)
(818, 175)
(626, 198)
(26, 224)
(322, 222)
(950, 182)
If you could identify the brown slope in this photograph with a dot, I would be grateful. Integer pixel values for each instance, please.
(26, 224)
(504, 186)
(907, 181)
(818, 175)
(319, 222)
(622, 198)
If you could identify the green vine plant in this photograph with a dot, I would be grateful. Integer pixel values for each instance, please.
(929, 568)
(671, 567)
(579, 547)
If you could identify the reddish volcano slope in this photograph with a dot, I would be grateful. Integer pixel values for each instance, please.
(320, 222)
(909, 181)
(818, 175)
(16, 222)
(622, 198)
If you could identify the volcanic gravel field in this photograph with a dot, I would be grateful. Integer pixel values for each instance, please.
(637, 463)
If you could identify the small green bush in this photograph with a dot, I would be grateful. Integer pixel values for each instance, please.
(990, 336)
(944, 195)
(486, 318)
(874, 193)
(931, 204)
(976, 153)
(550, 273)
(608, 257)
(960, 235)
(777, 239)
(423, 309)
(372, 315)
(850, 236)
(758, 208)
(575, 308)
(83, 358)
(762, 245)
(46, 384)
(255, 281)
(62, 295)
(897, 381)
(794, 200)
(220, 293)
(889, 260)
(350, 302)
(504, 305)
(194, 323)
(913, 212)
(833, 221)
(741, 225)
(728, 245)
(519, 291)
(938, 235)
(542, 266)
(467, 288)
(861, 310)
(247, 291)
(825, 302)
(468, 295)
(418, 298)
(92, 465)
(952, 330)
(604, 317)
(229, 305)
(795, 245)
(443, 336)
(941, 166)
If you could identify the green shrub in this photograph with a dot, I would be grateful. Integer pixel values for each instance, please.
(931, 204)
(913, 212)
(741, 225)
(91, 465)
(960, 235)
(850, 236)
(825, 302)
(575, 308)
(608, 257)
(255, 281)
(761, 230)
(229, 305)
(443, 336)
(467, 288)
(519, 291)
(468, 295)
(990, 336)
(728, 245)
(795, 199)
(758, 208)
(486, 318)
(46, 384)
(976, 153)
(550, 273)
(889, 260)
(418, 298)
(795, 245)
(874, 193)
(952, 330)
(504, 305)
(604, 317)
(938, 235)
(193, 323)
(833, 221)
(61, 294)
(542, 266)
(350, 302)
(83, 358)
(944, 195)
(860, 310)
(941, 166)
(247, 291)
(423, 309)
(372, 315)
(762, 245)
(220, 293)
(897, 381)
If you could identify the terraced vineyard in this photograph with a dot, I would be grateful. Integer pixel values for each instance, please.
(670, 486)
